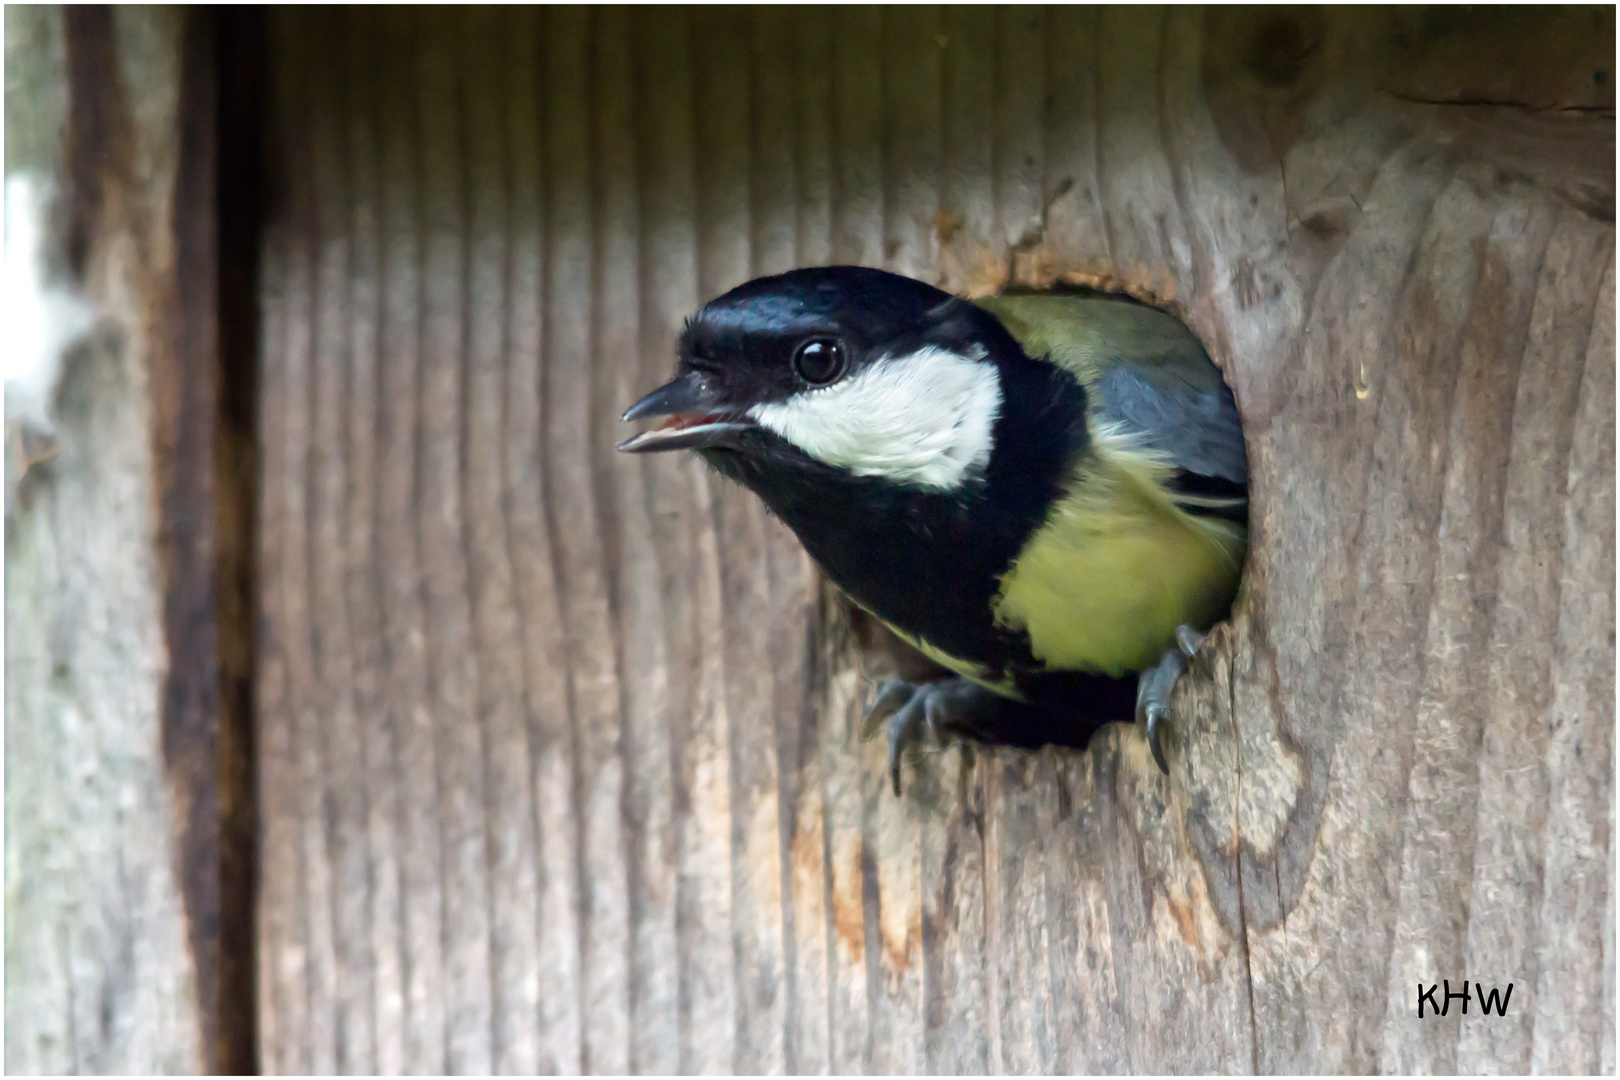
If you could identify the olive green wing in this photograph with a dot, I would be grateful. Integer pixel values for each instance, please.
(1148, 378)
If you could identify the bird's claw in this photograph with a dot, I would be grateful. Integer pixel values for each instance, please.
(1154, 689)
(1191, 644)
(906, 731)
(892, 695)
(917, 713)
(1155, 716)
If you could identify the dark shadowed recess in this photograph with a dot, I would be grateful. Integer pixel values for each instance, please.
(203, 430)
(241, 68)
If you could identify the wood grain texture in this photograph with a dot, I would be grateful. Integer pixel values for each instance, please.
(558, 758)
(114, 750)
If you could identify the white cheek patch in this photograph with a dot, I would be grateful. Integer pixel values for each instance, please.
(924, 419)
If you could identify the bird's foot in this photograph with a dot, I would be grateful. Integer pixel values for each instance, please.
(933, 711)
(1154, 688)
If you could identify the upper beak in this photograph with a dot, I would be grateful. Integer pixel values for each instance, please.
(699, 417)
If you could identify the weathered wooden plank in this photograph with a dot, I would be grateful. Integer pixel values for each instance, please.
(278, 857)
(283, 679)
(1436, 868)
(913, 138)
(722, 105)
(911, 145)
(1570, 1021)
(1074, 219)
(666, 270)
(704, 910)
(515, 976)
(1143, 219)
(1504, 908)
(717, 916)
(788, 588)
(616, 365)
(854, 64)
(334, 637)
(955, 925)
(548, 753)
(309, 644)
(421, 888)
(1020, 142)
(629, 827)
(369, 1026)
(797, 129)
(112, 690)
(441, 515)
(574, 506)
(1016, 788)
(967, 258)
(1085, 985)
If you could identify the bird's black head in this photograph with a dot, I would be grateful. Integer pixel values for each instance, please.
(901, 432)
(843, 368)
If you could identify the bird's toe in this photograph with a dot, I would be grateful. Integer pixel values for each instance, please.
(1191, 643)
(933, 715)
(1156, 715)
(906, 729)
(1153, 697)
(892, 695)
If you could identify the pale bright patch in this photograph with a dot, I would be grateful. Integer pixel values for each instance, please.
(925, 419)
(41, 320)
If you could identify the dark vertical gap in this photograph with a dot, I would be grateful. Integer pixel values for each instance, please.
(183, 380)
(241, 193)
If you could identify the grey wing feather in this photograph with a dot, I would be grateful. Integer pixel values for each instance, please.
(1194, 423)
(1146, 372)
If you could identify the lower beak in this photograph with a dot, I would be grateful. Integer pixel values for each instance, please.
(698, 417)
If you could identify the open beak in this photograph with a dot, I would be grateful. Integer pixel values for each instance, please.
(697, 417)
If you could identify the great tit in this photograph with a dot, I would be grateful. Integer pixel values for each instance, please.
(1046, 494)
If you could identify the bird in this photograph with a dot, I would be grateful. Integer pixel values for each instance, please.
(1045, 493)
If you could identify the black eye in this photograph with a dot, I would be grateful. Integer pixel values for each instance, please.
(819, 361)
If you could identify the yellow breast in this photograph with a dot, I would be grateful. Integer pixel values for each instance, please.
(1102, 586)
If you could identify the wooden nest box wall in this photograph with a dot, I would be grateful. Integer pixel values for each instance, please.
(554, 748)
